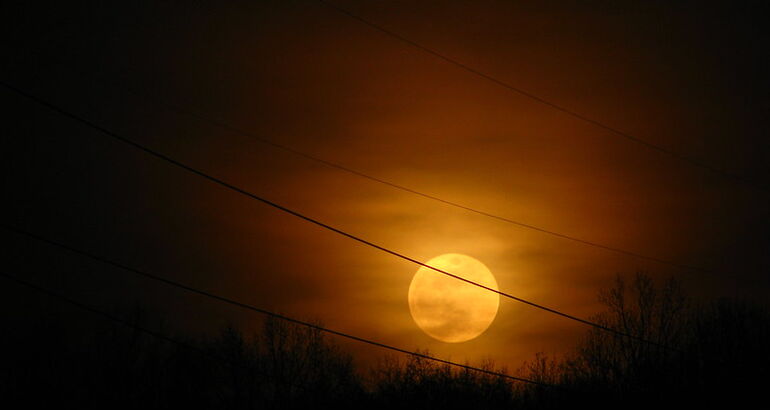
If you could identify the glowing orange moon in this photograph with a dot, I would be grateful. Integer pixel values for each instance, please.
(448, 309)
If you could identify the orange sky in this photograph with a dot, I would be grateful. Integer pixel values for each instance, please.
(320, 82)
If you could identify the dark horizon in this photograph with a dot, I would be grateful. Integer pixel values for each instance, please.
(712, 353)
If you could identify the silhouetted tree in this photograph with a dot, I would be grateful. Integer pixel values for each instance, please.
(627, 365)
(729, 341)
(417, 382)
(714, 352)
(302, 364)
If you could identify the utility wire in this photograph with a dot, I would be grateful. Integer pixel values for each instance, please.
(252, 308)
(130, 324)
(109, 316)
(311, 220)
(352, 171)
(240, 131)
(543, 101)
(140, 328)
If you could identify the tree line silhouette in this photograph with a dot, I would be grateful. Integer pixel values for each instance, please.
(711, 353)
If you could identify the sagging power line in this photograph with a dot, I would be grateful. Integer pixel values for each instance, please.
(404, 188)
(336, 165)
(316, 222)
(265, 312)
(570, 112)
(158, 335)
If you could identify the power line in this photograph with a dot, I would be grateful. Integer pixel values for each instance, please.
(194, 114)
(424, 195)
(150, 332)
(252, 308)
(132, 325)
(109, 316)
(309, 219)
(335, 165)
(567, 111)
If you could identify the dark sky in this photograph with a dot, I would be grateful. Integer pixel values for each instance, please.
(684, 76)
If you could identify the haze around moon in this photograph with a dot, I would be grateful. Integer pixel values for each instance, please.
(448, 309)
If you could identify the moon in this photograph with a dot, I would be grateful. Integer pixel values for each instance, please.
(448, 309)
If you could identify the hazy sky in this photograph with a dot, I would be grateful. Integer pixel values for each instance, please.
(682, 76)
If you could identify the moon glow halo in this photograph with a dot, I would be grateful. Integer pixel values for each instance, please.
(448, 309)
